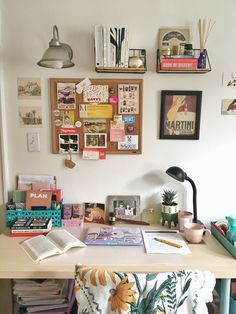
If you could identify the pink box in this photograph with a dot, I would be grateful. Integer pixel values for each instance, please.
(73, 223)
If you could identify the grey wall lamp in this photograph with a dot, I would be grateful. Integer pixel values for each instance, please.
(179, 175)
(58, 55)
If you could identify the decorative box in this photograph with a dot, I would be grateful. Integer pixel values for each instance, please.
(73, 223)
(12, 215)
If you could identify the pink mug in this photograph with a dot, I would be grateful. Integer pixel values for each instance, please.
(195, 232)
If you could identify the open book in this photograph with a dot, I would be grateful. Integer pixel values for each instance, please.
(55, 242)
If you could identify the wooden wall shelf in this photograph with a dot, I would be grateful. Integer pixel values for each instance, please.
(181, 71)
(120, 70)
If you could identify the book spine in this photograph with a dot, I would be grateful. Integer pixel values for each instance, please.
(113, 46)
(26, 234)
(126, 48)
(30, 230)
(104, 46)
(98, 46)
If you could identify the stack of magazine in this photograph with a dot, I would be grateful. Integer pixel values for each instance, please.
(44, 296)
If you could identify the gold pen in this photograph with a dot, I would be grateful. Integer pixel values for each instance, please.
(168, 242)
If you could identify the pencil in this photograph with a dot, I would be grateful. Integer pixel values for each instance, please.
(168, 242)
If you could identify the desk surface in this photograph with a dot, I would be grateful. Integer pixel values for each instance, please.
(15, 263)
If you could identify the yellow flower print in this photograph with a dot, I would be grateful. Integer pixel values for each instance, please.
(122, 295)
(101, 273)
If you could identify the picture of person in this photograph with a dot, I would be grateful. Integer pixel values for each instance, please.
(126, 208)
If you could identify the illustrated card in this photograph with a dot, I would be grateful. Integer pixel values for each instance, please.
(96, 94)
(229, 79)
(67, 118)
(128, 99)
(94, 153)
(130, 143)
(95, 126)
(29, 88)
(95, 140)
(68, 143)
(228, 106)
(94, 212)
(30, 117)
(66, 96)
(169, 37)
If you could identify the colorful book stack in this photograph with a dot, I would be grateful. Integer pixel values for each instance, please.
(22, 227)
(44, 296)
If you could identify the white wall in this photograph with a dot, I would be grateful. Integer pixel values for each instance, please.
(26, 30)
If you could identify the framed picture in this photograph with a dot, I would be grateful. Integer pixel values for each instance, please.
(126, 206)
(180, 114)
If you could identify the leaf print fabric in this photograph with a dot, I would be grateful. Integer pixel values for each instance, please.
(105, 292)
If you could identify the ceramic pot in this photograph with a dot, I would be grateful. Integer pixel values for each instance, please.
(170, 209)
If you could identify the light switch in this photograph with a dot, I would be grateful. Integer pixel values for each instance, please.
(33, 142)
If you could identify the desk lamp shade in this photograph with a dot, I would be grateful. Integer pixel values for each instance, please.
(58, 55)
(179, 175)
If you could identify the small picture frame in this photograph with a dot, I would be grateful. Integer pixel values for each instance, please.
(124, 206)
(180, 114)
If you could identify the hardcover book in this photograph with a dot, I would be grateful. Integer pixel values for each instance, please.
(113, 236)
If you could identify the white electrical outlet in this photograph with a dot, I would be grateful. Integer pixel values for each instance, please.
(33, 142)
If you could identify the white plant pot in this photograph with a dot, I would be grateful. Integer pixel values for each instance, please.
(170, 209)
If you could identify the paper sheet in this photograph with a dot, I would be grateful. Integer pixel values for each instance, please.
(154, 246)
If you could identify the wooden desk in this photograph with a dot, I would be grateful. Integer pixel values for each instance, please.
(15, 263)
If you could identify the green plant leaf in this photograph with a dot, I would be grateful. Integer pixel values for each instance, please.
(182, 301)
(186, 286)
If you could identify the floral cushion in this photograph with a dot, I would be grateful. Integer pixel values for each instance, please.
(106, 292)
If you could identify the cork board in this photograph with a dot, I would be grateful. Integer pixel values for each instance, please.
(105, 114)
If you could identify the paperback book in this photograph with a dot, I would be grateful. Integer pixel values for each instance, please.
(31, 225)
(55, 242)
(113, 236)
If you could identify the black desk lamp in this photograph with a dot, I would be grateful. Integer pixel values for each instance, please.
(178, 174)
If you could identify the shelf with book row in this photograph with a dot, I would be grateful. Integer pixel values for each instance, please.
(113, 54)
(182, 63)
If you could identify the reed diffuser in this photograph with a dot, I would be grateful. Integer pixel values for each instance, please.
(204, 30)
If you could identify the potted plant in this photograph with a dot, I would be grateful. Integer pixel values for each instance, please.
(169, 211)
(169, 204)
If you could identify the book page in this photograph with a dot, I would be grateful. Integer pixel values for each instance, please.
(39, 247)
(64, 240)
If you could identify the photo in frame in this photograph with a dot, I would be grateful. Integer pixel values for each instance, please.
(124, 206)
(180, 114)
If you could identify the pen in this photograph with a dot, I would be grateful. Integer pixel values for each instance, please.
(168, 242)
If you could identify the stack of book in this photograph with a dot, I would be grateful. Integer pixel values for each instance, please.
(22, 227)
(44, 296)
(111, 46)
(178, 62)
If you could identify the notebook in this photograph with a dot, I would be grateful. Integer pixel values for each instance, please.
(113, 236)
